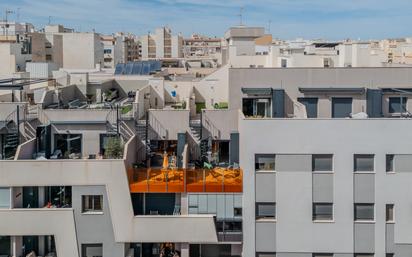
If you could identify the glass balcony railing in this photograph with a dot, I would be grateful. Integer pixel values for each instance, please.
(158, 180)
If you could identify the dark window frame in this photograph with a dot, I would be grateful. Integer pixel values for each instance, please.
(323, 156)
(402, 104)
(315, 217)
(91, 200)
(258, 216)
(363, 219)
(257, 156)
(363, 156)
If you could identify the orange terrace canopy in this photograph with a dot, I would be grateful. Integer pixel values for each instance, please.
(160, 180)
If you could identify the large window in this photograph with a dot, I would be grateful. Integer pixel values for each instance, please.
(68, 145)
(322, 255)
(257, 107)
(397, 104)
(364, 255)
(92, 250)
(5, 246)
(322, 162)
(322, 211)
(311, 105)
(341, 107)
(265, 162)
(92, 203)
(4, 198)
(390, 215)
(363, 162)
(364, 211)
(389, 163)
(265, 210)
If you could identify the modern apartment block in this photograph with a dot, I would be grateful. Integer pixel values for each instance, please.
(325, 160)
(298, 162)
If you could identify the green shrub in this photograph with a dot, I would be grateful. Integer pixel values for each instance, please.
(114, 149)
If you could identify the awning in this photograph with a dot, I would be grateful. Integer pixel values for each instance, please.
(257, 91)
(332, 90)
(399, 90)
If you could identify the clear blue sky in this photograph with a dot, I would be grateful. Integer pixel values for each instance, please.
(329, 19)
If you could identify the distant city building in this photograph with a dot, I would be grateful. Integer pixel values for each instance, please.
(200, 46)
(161, 44)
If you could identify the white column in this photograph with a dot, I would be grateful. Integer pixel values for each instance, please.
(42, 194)
(16, 245)
(42, 250)
(184, 250)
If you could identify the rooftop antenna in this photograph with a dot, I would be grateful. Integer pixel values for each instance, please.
(269, 26)
(241, 16)
(6, 26)
(50, 20)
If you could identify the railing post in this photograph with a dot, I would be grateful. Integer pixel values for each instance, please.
(204, 180)
(18, 123)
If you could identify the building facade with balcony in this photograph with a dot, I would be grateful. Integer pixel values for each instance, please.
(297, 162)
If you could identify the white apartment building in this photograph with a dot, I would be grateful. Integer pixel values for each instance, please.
(113, 51)
(161, 44)
(80, 50)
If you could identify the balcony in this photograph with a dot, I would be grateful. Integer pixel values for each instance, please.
(158, 180)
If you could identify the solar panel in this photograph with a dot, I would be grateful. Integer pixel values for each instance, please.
(129, 68)
(138, 68)
(119, 69)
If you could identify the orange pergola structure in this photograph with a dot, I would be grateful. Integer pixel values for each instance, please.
(163, 180)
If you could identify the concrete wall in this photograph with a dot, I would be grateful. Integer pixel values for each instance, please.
(112, 175)
(213, 88)
(222, 121)
(57, 222)
(95, 228)
(291, 79)
(168, 123)
(85, 57)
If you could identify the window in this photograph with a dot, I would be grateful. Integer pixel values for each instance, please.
(265, 254)
(322, 211)
(257, 107)
(390, 255)
(389, 163)
(69, 145)
(364, 212)
(322, 255)
(364, 255)
(363, 162)
(284, 63)
(390, 213)
(5, 246)
(92, 250)
(322, 162)
(237, 211)
(266, 210)
(4, 198)
(265, 162)
(397, 104)
(311, 104)
(92, 203)
(341, 107)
